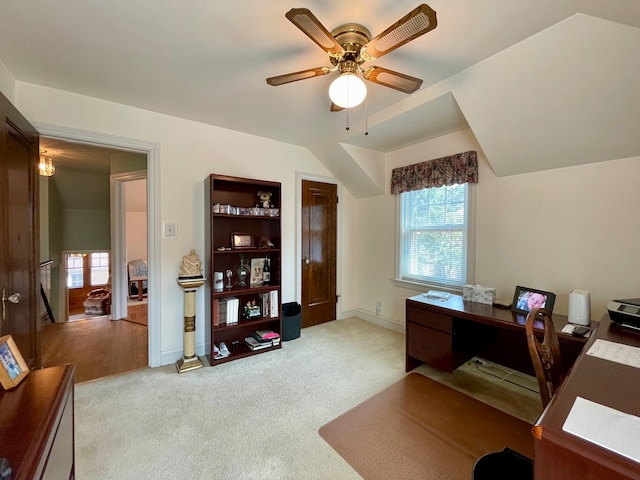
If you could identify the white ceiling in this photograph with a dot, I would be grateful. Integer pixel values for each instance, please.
(541, 83)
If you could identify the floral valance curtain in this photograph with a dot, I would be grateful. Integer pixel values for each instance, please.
(459, 168)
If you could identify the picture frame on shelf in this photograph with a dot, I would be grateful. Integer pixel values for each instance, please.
(526, 299)
(240, 240)
(13, 368)
(257, 268)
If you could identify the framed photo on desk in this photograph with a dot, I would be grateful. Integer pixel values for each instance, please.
(526, 299)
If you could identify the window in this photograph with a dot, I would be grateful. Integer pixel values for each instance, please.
(87, 269)
(436, 235)
(75, 270)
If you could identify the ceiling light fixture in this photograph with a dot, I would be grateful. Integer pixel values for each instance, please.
(348, 90)
(45, 167)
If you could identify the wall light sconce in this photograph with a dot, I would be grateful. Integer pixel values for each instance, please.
(45, 167)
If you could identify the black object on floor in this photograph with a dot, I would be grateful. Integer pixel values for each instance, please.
(507, 464)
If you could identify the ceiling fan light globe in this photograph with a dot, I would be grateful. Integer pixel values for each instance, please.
(347, 90)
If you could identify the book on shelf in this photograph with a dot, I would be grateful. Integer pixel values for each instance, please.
(220, 312)
(265, 335)
(232, 306)
(264, 304)
(253, 344)
(273, 303)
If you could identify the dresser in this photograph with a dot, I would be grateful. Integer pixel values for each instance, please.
(37, 425)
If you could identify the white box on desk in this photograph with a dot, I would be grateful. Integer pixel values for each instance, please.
(479, 294)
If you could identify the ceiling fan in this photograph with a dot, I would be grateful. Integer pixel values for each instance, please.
(350, 45)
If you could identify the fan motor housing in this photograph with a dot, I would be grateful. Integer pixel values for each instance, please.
(352, 36)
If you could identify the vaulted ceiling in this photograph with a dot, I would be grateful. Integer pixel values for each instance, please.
(541, 83)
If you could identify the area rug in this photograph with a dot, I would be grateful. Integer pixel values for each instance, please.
(418, 428)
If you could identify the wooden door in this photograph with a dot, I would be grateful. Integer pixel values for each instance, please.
(19, 246)
(319, 226)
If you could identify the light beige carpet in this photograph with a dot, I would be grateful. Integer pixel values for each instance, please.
(421, 429)
(255, 418)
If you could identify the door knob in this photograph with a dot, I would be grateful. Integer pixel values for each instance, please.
(306, 260)
(13, 298)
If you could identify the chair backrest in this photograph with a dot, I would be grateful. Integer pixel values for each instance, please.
(545, 355)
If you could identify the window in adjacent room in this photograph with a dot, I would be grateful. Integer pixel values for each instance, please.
(436, 241)
(87, 269)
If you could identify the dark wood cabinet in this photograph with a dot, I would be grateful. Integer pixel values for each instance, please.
(233, 207)
(37, 425)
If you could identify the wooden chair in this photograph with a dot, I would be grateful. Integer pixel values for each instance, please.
(545, 355)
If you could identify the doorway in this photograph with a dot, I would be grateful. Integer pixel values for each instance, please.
(151, 151)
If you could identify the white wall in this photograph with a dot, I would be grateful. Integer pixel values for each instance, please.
(136, 219)
(554, 230)
(189, 151)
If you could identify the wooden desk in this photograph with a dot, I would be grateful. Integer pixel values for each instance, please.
(37, 426)
(560, 455)
(445, 334)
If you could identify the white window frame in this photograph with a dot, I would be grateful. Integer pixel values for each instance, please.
(424, 286)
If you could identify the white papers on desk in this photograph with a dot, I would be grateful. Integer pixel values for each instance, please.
(616, 352)
(436, 295)
(606, 427)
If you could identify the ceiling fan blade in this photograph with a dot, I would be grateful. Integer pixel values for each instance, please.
(295, 76)
(419, 21)
(335, 108)
(311, 26)
(389, 78)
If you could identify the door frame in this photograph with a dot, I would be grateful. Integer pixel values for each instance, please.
(119, 279)
(300, 176)
(152, 150)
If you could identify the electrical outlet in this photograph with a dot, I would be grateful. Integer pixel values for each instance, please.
(378, 307)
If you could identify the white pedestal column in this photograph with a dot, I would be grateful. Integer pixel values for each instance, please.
(189, 360)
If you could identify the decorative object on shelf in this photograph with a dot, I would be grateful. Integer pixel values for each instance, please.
(242, 272)
(265, 243)
(257, 267)
(229, 273)
(265, 199)
(252, 310)
(218, 282)
(13, 368)
(190, 279)
(266, 271)
(241, 240)
(526, 299)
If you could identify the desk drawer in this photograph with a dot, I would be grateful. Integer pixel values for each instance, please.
(438, 321)
(430, 346)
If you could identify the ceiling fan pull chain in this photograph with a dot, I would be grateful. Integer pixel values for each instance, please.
(366, 117)
(347, 109)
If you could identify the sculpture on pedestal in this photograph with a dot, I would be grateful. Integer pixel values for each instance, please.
(190, 279)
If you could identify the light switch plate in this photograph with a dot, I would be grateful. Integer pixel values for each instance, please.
(170, 229)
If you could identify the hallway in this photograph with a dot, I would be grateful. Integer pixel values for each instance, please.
(97, 346)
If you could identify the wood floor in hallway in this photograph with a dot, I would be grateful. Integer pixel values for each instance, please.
(97, 347)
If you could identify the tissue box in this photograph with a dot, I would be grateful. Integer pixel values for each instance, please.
(479, 294)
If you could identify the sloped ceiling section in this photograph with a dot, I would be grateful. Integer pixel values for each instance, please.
(566, 96)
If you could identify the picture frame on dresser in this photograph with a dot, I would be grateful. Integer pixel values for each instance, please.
(540, 299)
(13, 368)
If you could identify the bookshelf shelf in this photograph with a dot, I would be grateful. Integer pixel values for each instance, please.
(241, 195)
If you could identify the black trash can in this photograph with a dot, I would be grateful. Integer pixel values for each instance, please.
(291, 321)
(507, 464)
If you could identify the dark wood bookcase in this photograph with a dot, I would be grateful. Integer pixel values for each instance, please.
(231, 207)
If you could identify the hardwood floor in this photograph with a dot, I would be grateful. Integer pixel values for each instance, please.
(97, 347)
